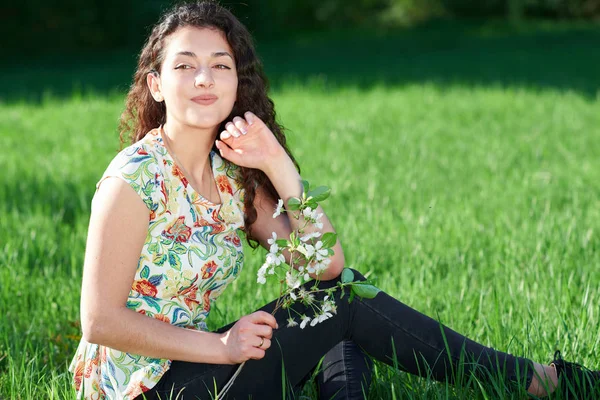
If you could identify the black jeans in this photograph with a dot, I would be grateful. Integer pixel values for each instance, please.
(384, 327)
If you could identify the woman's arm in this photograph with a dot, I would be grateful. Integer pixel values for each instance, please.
(117, 231)
(258, 148)
(288, 184)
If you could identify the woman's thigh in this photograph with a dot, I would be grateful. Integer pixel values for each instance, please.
(293, 354)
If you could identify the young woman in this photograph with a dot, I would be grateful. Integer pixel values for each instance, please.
(208, 159)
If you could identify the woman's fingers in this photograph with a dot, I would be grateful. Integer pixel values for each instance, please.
(259, 352)
(224, 135)
(228, 153)
(250, 117)
(233, 130)
(241, 125)
(263, 317)
(265, 344)
(263, 331)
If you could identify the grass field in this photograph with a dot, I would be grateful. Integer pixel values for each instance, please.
(464, 163)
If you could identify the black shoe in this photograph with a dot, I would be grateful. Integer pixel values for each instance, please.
(576, 381)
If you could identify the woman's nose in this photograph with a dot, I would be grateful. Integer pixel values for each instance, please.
(204, 78)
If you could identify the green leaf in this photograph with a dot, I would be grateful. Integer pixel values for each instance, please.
(320, 193)
(159, 259)
(305, 186)
(153, 247)
(294, 204)
(329, 239)
(347, 275)
(174, 261)
(311, 203)
(282, 243)
(365, 290)
(351, 296)
(145, 272)
(148, 187)
(294, 240)
(152, 303)
(179, 248)
(133, 304)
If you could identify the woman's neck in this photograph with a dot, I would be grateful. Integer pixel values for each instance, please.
(190, 145)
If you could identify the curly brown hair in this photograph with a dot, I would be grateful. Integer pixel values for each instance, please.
(142, 113)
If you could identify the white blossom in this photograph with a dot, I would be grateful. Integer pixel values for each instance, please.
(293, 296)
(292, 281)
(309, 298)
(310, 235)
(307, 213)
(305, 320)
(291, 322)
(274, 259)
(315, 216)
(310, 250)
(278, 209)
(319, 225)
(261, 274)
(273, 242)
(328, 305)
(320, 251)
(324, 316)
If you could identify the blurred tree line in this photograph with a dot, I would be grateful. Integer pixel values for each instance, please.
(65, 25)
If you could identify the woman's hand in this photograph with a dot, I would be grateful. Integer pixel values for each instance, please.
(249, 143)
(242, 340)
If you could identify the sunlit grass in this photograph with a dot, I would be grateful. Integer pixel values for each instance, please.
(477, 204)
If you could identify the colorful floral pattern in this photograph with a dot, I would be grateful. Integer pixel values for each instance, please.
(191, 253)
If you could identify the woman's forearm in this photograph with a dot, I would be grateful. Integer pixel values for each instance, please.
(131, 332)
(288, 183)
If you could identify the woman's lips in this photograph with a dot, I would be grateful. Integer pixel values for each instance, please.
(205, 99)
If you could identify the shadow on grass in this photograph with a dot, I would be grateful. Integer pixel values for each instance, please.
(539, 55)
(64, 202)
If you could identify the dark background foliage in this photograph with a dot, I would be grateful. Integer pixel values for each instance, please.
(64, 25)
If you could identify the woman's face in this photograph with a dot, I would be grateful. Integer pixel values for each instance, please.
(197, 62)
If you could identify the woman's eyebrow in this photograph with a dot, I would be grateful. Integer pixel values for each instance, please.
(214, 55)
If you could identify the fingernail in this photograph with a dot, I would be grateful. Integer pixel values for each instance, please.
(244, 131)
(225, 135)
(276, 325)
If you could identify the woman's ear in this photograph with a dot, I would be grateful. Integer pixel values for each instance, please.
(153, 81)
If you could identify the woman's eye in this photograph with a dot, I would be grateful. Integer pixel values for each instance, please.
(222, 66)
(183, 66)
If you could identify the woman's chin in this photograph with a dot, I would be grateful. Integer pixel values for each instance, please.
(205, 123)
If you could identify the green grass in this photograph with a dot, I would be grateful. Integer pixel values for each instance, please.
(464, 176)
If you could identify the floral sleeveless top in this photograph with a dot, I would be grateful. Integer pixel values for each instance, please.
(191, 253)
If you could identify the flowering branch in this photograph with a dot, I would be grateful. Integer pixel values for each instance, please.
(310, 252)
